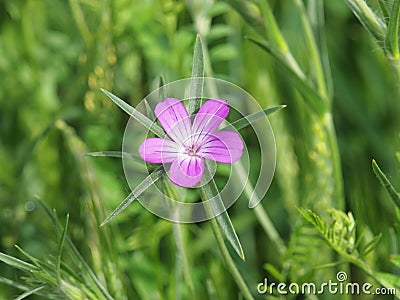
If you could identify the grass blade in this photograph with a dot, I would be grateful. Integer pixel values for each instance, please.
(250, 119)
(140, 188)
(196, 85)
(314, 50)
(14, 284)
(31, 292)
(17, 263)
(138, 116)
(60, 248)
(386, 183)
(317, 21)
(315, 100)
(392, 37)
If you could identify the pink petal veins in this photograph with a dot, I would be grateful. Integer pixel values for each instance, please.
(223, 146)
(158, 150)
(210, 116)
(174, 118)
(187, 170)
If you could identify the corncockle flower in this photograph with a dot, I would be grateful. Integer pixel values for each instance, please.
(191, 142)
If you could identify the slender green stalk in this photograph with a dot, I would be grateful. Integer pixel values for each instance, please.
(230, 264)
(368, 18)
(182, 254)
(179, 241)
(313, 49)
(275, 36)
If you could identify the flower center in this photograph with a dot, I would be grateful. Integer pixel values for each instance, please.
(191, 150)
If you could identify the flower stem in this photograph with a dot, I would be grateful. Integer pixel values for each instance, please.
(180, 245)
(230, 264)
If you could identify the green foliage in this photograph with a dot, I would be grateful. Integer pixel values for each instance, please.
(340, 234)
(334, 63)
(385, 28)
(53, 278)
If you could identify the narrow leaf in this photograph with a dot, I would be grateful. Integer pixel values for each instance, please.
(60, 248)
(140, 188)
(138, 116)
(31, 292)
(116, 154)
(392, 37)
(17, 263)
(14, 284)
(196, 85)
(386, 183)
(250, 119)
(314, 99)
(210, 191)
(32, 259)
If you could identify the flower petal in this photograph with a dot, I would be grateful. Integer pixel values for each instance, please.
(174, 118)
(158, 150)
(187, 170)
(210, 116)
(224, 146)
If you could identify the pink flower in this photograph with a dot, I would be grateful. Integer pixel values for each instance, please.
(191, 143)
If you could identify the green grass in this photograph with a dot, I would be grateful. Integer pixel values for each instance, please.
(335, 64)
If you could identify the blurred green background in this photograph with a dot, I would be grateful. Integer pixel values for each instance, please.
(55, 56)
